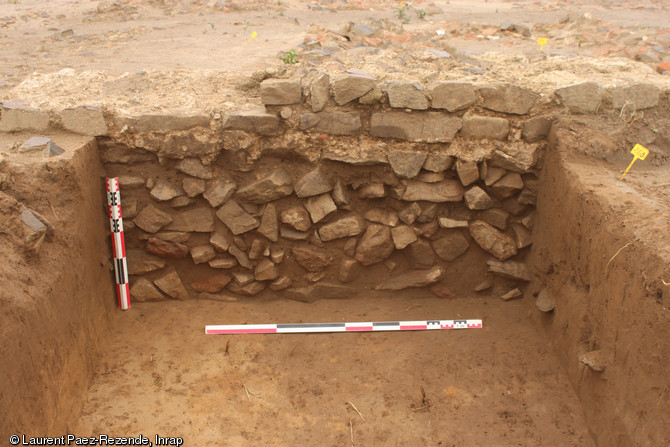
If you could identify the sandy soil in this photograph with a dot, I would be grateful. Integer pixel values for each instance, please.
(499, 385)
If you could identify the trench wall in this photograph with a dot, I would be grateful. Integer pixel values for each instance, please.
(609, 314)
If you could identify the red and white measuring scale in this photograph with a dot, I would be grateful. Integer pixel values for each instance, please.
(299, 328)
(118, 242)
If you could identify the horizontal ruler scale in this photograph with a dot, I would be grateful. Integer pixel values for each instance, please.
(342, 327)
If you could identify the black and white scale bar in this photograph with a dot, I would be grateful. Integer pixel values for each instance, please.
(301, 328)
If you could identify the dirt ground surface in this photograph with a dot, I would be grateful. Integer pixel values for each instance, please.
(499, 385)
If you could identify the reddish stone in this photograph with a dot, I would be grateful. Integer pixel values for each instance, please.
(663, 67)
(441, 291)
(213, 284)
(164, 249)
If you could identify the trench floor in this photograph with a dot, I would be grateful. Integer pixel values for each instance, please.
(495, 386)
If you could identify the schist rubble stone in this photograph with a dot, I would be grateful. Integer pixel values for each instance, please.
(235, 218)
(375, 245)
(220, 191)
(417, 278)
(436, 162)
(275, 185)
(312, 184)
(196, 220)
(193, 186)
(446, 191)
(164, 249)
(194, 168)
(140, 262)
(405, 163)
(151, 219)
(342, 227)
(269, 226)
(311, 259)
(144, 290)
(451, 246)
(495, 242)
(320, 206)
(297, 217)
(467, 171)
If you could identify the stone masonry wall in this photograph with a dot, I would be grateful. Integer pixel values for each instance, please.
(330, 178)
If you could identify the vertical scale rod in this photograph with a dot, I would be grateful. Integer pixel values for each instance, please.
(118, 243)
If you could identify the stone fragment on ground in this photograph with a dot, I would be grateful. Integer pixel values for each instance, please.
(545, 301)
(170, 283)
(144, 290)
(509, 269)
(511, 295)
(46, 146)
(416, 278)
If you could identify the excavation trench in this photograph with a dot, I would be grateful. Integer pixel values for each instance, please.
(322, 226)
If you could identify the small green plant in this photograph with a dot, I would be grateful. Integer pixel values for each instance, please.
(289, 57)
(402, 12)
(421, 14)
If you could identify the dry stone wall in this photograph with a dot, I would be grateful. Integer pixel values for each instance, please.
(330, 178)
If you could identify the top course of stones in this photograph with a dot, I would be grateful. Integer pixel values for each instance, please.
(357, 103)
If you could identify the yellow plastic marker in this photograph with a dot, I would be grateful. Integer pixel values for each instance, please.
(542, 41)
(638, 151)
(253, 36)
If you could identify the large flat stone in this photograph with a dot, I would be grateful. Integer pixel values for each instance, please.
(485, 127)
(406, 95)
(281, 91)
(196, 220)
(581, 98)
(273, 186)
(46, 146)
(18, 116)
(635, 97)
(321, 291)
(235, 218)
(166, 122)
(490, 239)
(452, 96)
(84, 120)
(449, 190)
(416, 278)
(343, 227)
(253, 120)
(508, 98)
(429, 127)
